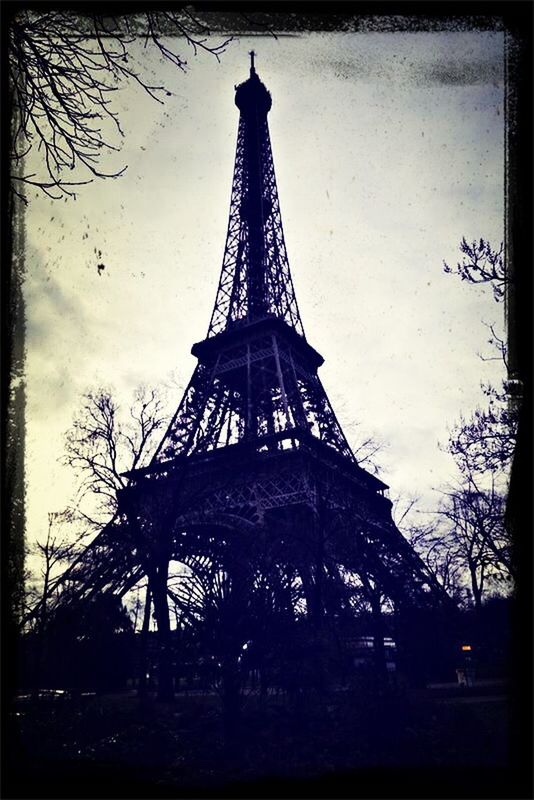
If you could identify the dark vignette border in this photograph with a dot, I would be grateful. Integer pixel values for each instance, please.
(515, 17)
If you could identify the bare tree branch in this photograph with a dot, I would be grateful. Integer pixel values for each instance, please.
(485, 441)
(481, 264)
(101, 446)
(63, 69)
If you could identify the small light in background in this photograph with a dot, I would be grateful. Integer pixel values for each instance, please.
(466, 647)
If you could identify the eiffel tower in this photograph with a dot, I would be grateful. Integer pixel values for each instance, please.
(254, 481)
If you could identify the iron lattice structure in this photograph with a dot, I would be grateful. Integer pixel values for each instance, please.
(256, 379)
(255, 278)
(254, 488)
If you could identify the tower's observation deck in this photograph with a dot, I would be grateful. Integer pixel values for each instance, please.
(252, 97)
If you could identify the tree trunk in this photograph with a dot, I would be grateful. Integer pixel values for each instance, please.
(158, 584)
(231, 705)
(378, 640)
(475, 588)
(143, 677)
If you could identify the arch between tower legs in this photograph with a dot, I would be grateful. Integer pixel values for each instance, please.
(253, 529)
(285, 532)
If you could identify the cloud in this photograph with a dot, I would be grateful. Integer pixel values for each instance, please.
(55, 335)
(460, 73)
(428, 59)
(46, 303)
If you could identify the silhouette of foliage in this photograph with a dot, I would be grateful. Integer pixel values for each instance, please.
(485, 441)
(481, 264)
(466, 545)
(64, 67)
(103, 444)
(85, 642)
(477, 537)
(482, 445)
(430, 544)
(54, 551)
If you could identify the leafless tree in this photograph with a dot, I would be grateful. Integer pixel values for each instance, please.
(64, 67)
(463, 542)
(67, 534)
(481, 264)
(475, 535)
(500, 348)
(430, 542)
(365, 445)
(477, 538)
(483, 445)
(101, 445)
(104, 443)
(485, 441)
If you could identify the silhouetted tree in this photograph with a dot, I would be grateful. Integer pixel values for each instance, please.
(52, 554)
(87, 642)
(105, 441)
(483, 445)
(64, 66)
(466, 545)
(477, 538)
(422, 529)
(231, 605)
(481, 264)
(484, 442)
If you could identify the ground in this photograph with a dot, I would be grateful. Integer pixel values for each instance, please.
(116, 745)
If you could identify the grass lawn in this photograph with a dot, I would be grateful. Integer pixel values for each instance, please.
(119, 746)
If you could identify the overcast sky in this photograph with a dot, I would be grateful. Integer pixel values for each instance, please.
(388, 148)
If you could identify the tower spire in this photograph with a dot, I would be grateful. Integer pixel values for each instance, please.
(255, 277)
